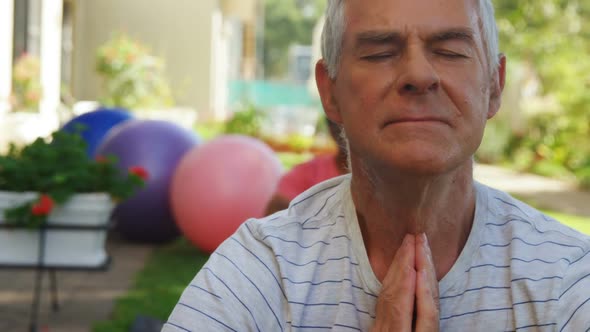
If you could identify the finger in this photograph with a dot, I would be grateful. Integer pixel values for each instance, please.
(396, 299)
(424, 259)
(427, 303)
(404, 258)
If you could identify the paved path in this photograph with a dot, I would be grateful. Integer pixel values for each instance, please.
(87, 297)
(539, 191)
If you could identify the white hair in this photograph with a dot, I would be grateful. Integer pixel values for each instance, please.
(333, 33)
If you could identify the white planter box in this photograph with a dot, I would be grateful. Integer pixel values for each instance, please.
(63, 248)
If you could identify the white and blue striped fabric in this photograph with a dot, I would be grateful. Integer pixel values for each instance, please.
(306, 269)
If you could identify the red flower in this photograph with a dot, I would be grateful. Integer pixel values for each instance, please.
(43, 206)
(101, 159)
(139, 171)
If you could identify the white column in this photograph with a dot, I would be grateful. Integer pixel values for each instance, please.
(51, 22)
(219, 66)
(6, 36)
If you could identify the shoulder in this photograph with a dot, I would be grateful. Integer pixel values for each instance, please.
(541, 251)
(536, 244)
(507, 212)
(243, 282)
(316, 208)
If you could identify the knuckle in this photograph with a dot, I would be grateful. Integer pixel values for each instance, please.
(389, 304)
(397, 310)
(389, 297)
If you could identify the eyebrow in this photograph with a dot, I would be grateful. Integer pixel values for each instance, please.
(376, 37)
(463, 34)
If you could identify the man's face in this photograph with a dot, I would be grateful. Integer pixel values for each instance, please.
(412, 91)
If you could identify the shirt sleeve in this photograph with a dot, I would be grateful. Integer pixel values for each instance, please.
(574, 298)
(238, 289)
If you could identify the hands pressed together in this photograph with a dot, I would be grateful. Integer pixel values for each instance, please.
(409, 297)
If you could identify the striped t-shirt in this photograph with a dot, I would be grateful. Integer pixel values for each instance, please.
(306, 269)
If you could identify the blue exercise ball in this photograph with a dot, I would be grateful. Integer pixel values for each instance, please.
(158, 147)
(94, 126)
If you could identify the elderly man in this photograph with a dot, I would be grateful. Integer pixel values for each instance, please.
(408, 241)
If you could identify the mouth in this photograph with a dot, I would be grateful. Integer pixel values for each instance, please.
(415, 120)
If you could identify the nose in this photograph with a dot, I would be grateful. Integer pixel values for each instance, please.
(417, 75)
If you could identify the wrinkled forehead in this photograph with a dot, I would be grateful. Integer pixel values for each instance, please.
(405, 16)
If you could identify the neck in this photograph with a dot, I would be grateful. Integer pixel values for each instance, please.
(442, 206)
(341, 161)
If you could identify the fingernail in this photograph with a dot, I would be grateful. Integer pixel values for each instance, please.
(424, 238)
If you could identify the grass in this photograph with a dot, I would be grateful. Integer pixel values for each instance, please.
(166, 274)
(582, 224)
(159, 285)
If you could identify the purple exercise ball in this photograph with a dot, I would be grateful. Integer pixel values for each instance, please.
(157, 146)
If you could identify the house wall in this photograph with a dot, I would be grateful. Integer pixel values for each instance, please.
(179, 31)
(248, 12)
(6, 26)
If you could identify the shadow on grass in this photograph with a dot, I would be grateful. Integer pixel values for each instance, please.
(157, 287)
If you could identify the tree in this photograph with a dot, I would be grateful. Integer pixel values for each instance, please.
(553, 36)
(287, 22)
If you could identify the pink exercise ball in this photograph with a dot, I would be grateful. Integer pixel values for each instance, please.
(220, 184)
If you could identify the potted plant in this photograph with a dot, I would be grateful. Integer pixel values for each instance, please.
(51, 186)
(24, 121)
(135, 79)
(26, 84)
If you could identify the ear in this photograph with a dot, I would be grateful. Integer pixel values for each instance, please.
(326, 89)
(497, 86)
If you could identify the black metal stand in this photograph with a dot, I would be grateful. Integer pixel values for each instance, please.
(41, 266)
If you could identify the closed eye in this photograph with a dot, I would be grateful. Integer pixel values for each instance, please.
(450, 55)
(378, 57)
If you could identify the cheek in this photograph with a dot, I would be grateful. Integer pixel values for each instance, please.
(475, 118)
(470, 98)
(364, 89)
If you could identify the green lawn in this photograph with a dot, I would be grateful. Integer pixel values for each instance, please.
(582, 224)
(159, 285)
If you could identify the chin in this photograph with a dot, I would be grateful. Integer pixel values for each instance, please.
(423, 167)
(423, 163)
(416, 158)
